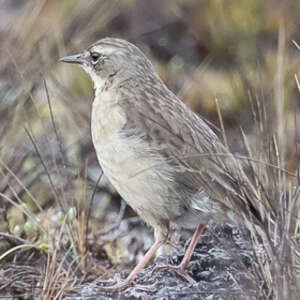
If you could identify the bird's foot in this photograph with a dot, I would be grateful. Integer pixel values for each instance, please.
(180, 270)
(124, 285)
(129, 282)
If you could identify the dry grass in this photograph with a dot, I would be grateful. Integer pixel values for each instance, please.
(50, 208)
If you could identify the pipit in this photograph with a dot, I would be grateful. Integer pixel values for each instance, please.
(151, 146)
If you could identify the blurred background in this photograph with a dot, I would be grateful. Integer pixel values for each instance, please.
(240, 53)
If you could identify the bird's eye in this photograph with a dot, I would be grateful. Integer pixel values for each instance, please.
(95, 56)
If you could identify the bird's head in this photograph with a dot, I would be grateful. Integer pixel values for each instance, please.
(113, 59)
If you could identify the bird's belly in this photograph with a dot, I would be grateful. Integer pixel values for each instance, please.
(135, 178)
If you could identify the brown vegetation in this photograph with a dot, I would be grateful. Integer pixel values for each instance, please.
(58, 229)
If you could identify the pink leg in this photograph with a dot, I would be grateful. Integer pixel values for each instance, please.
(130, 279)
(180, 270)
(191, 247)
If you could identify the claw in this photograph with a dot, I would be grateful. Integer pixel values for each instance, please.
(117, 287)
(124, 285)
(177, 269)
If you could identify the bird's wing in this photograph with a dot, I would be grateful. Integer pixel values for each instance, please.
(202, 164)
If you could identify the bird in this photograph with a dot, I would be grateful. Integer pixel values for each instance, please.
(154, 149)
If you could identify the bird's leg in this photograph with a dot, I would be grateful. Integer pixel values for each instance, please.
(180, 270)
(129, 281)
(188, 254)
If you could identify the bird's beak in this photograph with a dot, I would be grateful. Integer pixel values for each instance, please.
(72, 59)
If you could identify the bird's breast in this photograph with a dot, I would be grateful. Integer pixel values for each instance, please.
(108, 119)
